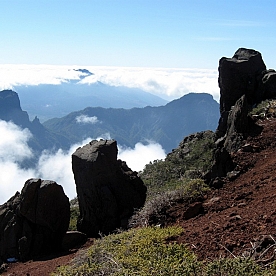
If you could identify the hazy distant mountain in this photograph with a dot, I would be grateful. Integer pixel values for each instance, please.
(166, 124)
(48, 101)
(42, 138)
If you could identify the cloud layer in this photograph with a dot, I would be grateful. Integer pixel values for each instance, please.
(169, 83)
(141, 155)
(84, 119)
(13, 142)
(56, 165)
(13, 148)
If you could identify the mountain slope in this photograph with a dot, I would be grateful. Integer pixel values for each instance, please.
(238, 218)
(48, 101)
(166, 125)
(241, 214)
(11, 111)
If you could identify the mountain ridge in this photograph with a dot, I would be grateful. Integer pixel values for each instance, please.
(47, 101)
(166, 125)
(11, 111)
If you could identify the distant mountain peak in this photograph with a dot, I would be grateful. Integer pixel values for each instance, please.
(85, 72)
(10, 108)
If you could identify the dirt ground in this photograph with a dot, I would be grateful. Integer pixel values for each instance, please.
(44, 266)
(238, 219)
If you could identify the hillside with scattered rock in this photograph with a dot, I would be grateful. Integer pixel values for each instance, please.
(231, 215)
(239, 218)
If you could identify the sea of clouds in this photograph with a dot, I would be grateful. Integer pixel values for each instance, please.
(168, 83)
(55, 165)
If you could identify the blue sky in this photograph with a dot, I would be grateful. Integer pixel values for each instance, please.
(136, 33)
(166, 47)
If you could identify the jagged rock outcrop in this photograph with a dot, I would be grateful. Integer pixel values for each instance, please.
(108, 190)
(238, 125)
(240, 75)
(34, 221)
(10, 109)
(238, 128)
(244, 82)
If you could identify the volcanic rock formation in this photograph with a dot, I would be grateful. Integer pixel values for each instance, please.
(244, 82)
(108, 190)
(34, 222)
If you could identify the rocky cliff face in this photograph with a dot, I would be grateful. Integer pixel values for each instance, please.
(243, 74)
(10, 110)
(108, 190)
(244, 82)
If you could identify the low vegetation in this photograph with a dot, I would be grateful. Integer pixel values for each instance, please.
(191, 160)
(153, 251)
(148, 248)
(74, 213)
(264, 109)
(155, 209)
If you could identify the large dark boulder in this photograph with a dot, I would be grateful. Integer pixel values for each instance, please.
(108, 190)
(73, 239)
(240, 75)
(243, 82)
(34, 222)
(269, 84)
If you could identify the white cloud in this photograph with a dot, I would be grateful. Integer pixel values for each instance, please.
(57, 165)
(13, 149)
(105, 136)
(12, 179)
(141, 155)
(13, 142)
(14, 75)
(84, 119)
(169, 83)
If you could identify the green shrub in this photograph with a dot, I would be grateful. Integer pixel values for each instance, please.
(147, 251)
(191, 159)
(155, 209)
(264, 109)
(74, 213)
(143, 252)
(233, 267)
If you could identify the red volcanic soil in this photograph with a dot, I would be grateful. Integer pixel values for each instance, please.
(44, 266)
(239, 218)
